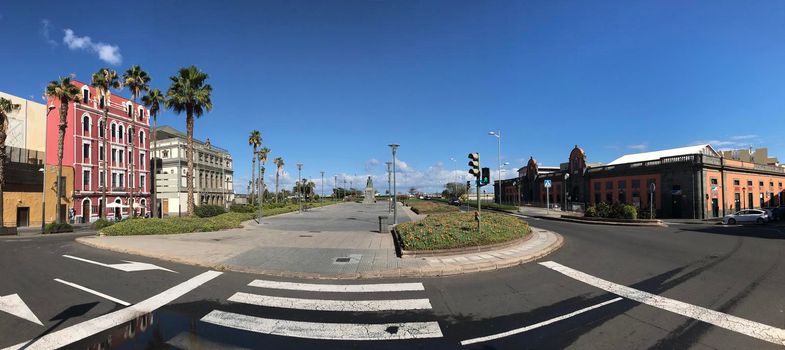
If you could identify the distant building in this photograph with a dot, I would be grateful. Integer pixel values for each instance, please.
(759, 156)
(689, 182)
(213, 174)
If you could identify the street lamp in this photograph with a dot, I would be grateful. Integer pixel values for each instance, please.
(389, 179)
(321, 199)
(566, 176)
(394, 148)
(335, 187)
(454, 179)
(498, 135)
(300, 187)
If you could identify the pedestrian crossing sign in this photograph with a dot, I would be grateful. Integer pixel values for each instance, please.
(547, 183)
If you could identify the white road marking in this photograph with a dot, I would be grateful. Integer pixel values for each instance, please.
(66, 336)
(537, 325)
(737, 324)
(14, 305)
(345, 288)
(332, 331)
(330, 305)
(102, 295)
(128, 266)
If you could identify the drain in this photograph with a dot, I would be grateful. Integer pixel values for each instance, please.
(315, 231)
(306, 236)
(343, 260)
(351, 218)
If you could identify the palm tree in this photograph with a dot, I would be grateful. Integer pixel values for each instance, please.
(189, 93)
(153, 100)
(6, 107)
(254, 140)
(136, 80)
(65, 92)
(103, 80)
(263, 153)
(279, 166)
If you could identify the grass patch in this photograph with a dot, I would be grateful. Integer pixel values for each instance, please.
(457, 230)
(496, 206)
(185, 224)
(431, 207)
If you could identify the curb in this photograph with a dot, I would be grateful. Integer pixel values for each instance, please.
(456, 251)
(398, 273)
(590, 222)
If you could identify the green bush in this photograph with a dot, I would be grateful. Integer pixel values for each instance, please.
(591, 212)
(173, 225)
(603, 210)
(630, 212)
(206, 211)
(456, 230)
(646, 214)
(101, 223)
(614, 211)
(56, 228)
(242, 208)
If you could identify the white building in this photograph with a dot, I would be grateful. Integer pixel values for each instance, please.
(213, 174)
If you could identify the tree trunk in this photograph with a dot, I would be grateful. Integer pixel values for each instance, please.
(276, 185)
(3, 129)
(102, 205)
(253, 176)
(154, 191)
(60, 139)
(189, 178)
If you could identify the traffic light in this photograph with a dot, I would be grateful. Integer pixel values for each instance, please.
(485, 178)
(474, 164)
(468, 186)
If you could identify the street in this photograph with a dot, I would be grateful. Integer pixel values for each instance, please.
(732, 270)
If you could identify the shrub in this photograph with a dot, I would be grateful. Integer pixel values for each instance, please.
(591, 212)
(613, 211)
(55, 228)
(101, 223)
(646, 214)
(456, 230)
(242, 208)
(603, 210)
(630, 212)
(206, 211)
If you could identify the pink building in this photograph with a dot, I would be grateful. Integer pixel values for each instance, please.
(84, 151)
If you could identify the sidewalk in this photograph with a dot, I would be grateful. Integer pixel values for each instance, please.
(334, 242)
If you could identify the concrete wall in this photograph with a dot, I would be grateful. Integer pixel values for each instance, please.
(27, 125)
(32, 200)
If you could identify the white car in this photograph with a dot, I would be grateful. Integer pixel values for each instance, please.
(749, 215)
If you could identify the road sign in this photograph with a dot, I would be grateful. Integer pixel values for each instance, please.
(652, 187)
(547, 183)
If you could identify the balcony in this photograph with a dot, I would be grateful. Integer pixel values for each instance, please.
(118, 188)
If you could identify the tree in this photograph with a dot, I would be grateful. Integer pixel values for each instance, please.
(189, 93)
(412, 190)
(262, 155)
(278, 167)
(254, 140)
(454, 190)
(154, 100)
(64, 91)
(6, 107)
(136, 80)
(103, 81)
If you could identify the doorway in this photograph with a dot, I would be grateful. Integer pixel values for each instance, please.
(737, 202)
(22, 216)
(715, 208)
(86, 211)
(749, 200)
(676, 204)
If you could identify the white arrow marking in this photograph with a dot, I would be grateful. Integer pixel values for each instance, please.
(14, 305)
(128, 266)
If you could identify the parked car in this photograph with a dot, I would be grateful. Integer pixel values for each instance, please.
(776, 213)
(769, 214)
(455, 202)
(749, 215)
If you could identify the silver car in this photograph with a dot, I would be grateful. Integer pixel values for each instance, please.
(749, 215)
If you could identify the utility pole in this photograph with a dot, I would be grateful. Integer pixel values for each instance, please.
(389, 180)
(335, 188)
(321, 198)
(394, 148)
(498, 134)
(300, 187)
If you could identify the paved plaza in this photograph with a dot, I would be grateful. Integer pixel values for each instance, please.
(336, 241)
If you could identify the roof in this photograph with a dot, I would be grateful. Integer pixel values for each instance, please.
(673, 152)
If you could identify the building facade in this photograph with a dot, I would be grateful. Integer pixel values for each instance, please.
(213, 174)
(688, 182)
(128, 146)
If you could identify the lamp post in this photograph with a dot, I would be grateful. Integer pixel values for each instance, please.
(498, 134)
(389, 179)
(321, 198)
(454, 179)
(300, 187)
(394, 148)
(43, 169)
(566, 176)
(335, 187)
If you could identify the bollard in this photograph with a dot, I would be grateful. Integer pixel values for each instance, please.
(383, 224)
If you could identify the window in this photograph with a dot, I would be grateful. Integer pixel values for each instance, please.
(142, 183)
(713, 181)
(165, 154)
(780, 185)
(101, 103)
(120, 156)
(121, 177)
(114, 180)
(130, 110)
(141, 161)
(771, 183)
(597, 186)
(101, 127)
(749, 182)
(101, 152)
(114, 156)
(130, 157)
(760, 184)
(736, 183)
(141, 114)
(636, 183)
(86, 124)
(85, 180)
(85, 95)
(130, 135)
(609, 185)
(622, 184)
(114, 133)
(141, 138)
(120, 132)
(86, 152)
(101, 179)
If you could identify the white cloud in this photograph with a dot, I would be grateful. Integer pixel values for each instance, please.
(639, 147)
(743, 137)
(371, 164)
(106, 52)
(45, 28)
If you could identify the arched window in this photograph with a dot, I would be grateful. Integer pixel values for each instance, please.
(129, 109)
(85, 95)
(86, 124)
(141, 114)
(141, 138)
(101, 127)
(114, 130)
(120, 132)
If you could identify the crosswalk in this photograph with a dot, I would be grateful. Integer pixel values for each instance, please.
(337, 303)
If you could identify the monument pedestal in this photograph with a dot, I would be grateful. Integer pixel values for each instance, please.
(369, 196)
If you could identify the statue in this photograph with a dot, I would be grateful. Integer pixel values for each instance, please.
(369, 194)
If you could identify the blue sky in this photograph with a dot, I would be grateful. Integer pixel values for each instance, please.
(331, 83)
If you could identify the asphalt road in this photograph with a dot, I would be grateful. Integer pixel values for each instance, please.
(735, 271)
